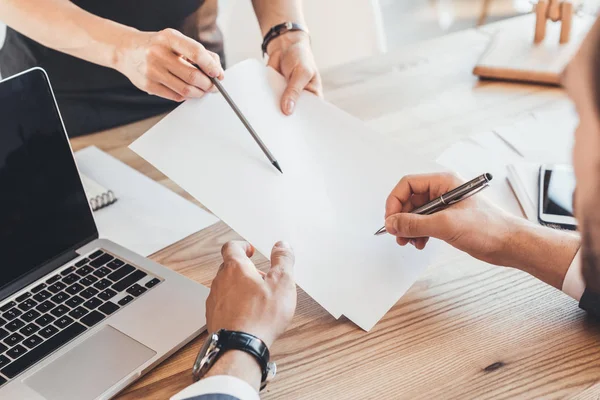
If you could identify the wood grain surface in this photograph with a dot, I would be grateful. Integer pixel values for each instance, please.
(465, 329)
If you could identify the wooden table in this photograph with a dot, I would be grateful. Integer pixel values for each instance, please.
(465, 329)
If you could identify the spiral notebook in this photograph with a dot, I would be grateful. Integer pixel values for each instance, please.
(98, 196)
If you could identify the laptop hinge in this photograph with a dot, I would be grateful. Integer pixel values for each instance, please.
(38, 273)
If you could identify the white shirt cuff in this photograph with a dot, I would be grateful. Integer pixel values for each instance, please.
(574, 284)
(221, 384)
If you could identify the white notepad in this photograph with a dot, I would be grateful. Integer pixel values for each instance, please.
(328, 203)
(98, 196)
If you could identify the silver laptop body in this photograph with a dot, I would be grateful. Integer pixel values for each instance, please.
(90, 320)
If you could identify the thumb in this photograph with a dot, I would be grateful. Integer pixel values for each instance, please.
(299, 79)
(282, 265)
(407, 225)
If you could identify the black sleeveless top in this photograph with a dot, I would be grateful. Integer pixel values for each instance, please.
(92, 98)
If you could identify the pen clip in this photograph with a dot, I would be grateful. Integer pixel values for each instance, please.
(466, 196)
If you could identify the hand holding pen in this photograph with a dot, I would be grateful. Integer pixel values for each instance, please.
(473, 225)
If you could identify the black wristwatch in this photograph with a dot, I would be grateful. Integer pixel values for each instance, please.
(220, 342)
(279, 30)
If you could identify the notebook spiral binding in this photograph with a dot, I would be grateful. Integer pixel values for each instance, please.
(103, 200)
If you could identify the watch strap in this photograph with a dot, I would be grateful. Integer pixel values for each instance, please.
(233, 340)
(279, 30)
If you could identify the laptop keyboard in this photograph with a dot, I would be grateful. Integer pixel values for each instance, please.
(40, 321)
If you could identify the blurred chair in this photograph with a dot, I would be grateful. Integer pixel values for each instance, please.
(341, 30)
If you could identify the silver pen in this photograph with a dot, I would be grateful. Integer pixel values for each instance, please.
(452, 197)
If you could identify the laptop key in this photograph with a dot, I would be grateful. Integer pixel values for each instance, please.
(15, 325)
(74, 301)
(108, 308)
(88, 280)
(12, 314)
(128, 281)
(54, 279)
(3, 334)
(92, 303)
(3, 348)
(107, 294)
(152, 283)
(48, 331)
(88, 293)
(126, 300)
(29, 330)
(92, 318)
(102, 272)
(28, 304)
(2, 322)
(102, 284)
(121, 273)
(30, 315)
(115, 264)
(67, 271)
(74, 288)
(63, 322)
(100, 261)
(57, 287)
(60, 297)
(82, 262)
(16, 351)
(7, 306)
(44, 320)
(4, 361)
(45, 306)
(31, 342)
(13, 339)
(33, 356)
(71, 279)
(83, 271)
(60, 310)
(22, 297)
(39, 287)
(43, 295)
(136, 290)
(96, 254)
(78, 312)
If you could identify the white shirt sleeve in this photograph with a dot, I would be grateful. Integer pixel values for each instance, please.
(222, 384)
(574, 285)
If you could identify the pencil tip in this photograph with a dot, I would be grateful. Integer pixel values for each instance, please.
(276, 165)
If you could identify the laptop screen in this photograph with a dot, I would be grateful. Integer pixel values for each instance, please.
(43, 208)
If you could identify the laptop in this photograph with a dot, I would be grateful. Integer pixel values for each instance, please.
(80, 317)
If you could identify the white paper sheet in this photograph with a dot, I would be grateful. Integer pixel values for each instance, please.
(524, 179)
(328, 203)
(147, 217)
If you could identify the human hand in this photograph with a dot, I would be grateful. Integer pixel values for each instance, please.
(474, 225)
(290, 54)
(243, 299)
(160, 63)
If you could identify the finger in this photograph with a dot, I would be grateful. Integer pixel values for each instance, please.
(178, 86)
(402, 241)
(282, 265)
(299, 79)
(157, 89)
(408, 225)
(433, 185)
(189, 74)
(420, 243)
(315, 86)
(236, 250)
(217, 58)
(195, 52)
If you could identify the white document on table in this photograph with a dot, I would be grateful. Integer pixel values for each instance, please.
(147, 216)
(524, 179)
(328, 202)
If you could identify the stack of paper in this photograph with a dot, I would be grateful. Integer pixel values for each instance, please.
(328, 202)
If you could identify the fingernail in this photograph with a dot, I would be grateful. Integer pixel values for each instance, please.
(390, 226)
(213, 73)
(413, 242)
(284, 245)
(289, 106)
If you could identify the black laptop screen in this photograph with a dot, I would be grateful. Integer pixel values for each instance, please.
(43, 208)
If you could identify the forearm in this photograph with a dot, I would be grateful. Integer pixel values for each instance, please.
(542, 252)
(65, 27)
(274, 12)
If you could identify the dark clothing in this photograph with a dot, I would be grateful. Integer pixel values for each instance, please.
(590, 302)
(92, 98)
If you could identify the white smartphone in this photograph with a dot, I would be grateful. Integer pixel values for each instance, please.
(557, 185)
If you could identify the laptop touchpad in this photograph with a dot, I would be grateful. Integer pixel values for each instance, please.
(91, 368)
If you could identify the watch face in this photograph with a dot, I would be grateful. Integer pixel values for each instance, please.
(206, 357)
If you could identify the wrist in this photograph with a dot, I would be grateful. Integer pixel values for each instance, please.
(286, 40)
(542, 252)
(238, 364)
(123, 41)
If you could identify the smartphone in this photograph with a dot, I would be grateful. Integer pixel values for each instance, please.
(557, 185)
